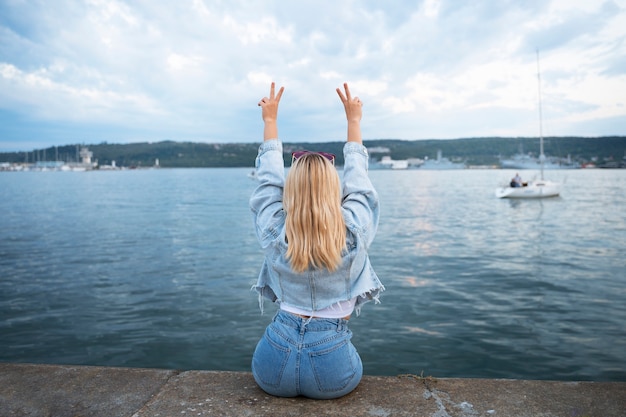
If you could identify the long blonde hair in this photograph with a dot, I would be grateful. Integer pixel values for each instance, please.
(315, 229)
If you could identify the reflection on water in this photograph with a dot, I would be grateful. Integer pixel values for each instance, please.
(154, 269)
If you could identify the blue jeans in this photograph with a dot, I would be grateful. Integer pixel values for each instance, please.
(309, 357)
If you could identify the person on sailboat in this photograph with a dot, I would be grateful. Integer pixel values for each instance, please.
(516, 181)
(315, 231)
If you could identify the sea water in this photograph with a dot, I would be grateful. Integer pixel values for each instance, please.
(153, 268)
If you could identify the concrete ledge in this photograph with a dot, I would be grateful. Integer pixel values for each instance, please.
(73, 391)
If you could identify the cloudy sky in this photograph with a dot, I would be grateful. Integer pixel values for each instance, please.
(90, 71)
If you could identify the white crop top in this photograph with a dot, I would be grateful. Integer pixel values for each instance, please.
(336, 311)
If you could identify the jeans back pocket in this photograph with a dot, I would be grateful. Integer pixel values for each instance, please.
(335, 367)
(269, 361)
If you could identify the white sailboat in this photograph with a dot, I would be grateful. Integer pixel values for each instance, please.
(536, 188)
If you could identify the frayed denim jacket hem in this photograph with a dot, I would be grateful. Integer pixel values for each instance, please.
(316, 289)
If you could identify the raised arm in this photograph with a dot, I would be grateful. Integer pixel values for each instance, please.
(353, 107)
(269, 113)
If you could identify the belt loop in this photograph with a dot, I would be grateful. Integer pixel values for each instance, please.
(304, 323)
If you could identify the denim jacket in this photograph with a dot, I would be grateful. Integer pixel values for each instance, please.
(316, 289)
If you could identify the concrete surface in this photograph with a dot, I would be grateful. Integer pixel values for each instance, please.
(76, 391)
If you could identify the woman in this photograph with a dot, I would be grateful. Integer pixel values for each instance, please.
(315, 231)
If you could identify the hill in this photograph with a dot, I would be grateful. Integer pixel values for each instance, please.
(473, 151)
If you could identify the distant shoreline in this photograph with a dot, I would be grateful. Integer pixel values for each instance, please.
(599, 151)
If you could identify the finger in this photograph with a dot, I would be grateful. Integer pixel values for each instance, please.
(272, 90)
(348, 96)
(280, 93)
(263, 100)
(341, 96)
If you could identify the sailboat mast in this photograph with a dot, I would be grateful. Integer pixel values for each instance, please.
(542, 157)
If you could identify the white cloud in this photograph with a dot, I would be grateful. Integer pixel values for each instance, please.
(195, 70)
(184, 63)
(431, 8)
(59, 101)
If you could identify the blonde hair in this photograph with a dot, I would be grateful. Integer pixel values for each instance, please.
(315, 229)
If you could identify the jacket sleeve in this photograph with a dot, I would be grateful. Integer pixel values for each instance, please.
(360, 199)
(266, 201)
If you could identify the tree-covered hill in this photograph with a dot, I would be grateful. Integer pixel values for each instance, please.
(475, 151)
